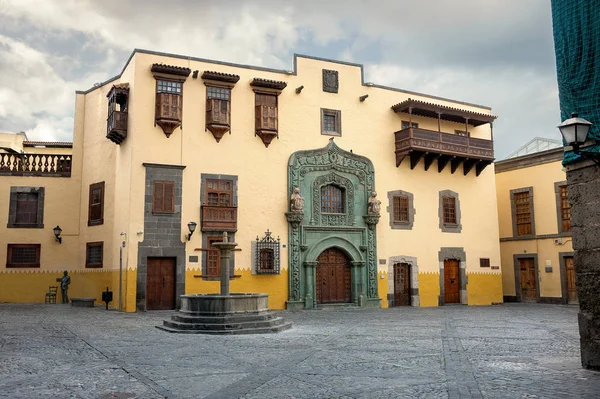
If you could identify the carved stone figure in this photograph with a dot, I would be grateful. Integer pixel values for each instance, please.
(64, 286)
(296, 201)
(374, 204)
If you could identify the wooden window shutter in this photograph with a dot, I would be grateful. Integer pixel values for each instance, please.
(169, 197)
(157, 196)
(96, 204)
(163, 197)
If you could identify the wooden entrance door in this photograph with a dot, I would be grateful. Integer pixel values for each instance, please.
(401, 284)
(451, 281)
(160, 284)
(570, 271)
(528, 280)
(333, 277)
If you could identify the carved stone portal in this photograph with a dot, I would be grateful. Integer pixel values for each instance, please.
(352, 231)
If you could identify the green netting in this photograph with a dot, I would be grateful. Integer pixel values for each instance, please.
(576, 25)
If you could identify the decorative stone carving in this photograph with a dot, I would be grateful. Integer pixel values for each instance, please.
(296, 201)
(374, 205)
(330, 81)
(309, 170)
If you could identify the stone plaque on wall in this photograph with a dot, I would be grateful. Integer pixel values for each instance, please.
(330, 81)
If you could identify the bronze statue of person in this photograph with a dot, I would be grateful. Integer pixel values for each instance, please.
(64, 286)
(374, 204)
(296, 201)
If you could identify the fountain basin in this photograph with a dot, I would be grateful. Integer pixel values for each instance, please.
(215, 304)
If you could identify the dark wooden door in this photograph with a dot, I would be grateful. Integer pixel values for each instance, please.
(528, 280)
(571, 288)
(333, 277)
(451, 281)
(401, 284)
(160, 284)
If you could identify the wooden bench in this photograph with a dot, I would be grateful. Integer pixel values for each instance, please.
(82, 302)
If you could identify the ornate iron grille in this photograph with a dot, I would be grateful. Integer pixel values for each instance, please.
(266, 254)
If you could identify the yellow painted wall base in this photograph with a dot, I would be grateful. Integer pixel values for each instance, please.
(484, 289)
(276, 285)
(31, 286)
(429, 289)
(382, 287)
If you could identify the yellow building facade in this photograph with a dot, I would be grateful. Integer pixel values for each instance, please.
(287, 163)
(535, 235)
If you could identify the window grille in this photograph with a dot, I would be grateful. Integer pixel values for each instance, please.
(266, 254)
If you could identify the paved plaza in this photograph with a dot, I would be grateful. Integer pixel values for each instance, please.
(504, 351)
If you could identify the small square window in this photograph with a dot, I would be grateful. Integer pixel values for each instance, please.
(331, 122)
(23, 255)
(484, 262)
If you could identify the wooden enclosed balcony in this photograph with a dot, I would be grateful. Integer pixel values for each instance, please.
(51, 165)
(446, 148)
(219, 218)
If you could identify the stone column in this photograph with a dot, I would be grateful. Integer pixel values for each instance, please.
(358, 285)
(584, 194)
(225, 248)
(310, 294)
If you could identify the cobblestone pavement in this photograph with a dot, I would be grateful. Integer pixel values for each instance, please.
(504, 351)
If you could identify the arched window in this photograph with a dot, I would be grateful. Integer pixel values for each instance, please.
(332, 199)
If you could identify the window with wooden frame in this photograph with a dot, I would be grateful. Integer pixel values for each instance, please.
(523, 215)
(565, 209)
(96, 204)
(462, 133)
(163, 197)
(331, 122)
(23, 255)
(219, 192)
(265, 253)
(407, 124)
(169, 104)
(449, 210)
(26, 207)
(213, 258)
(266, 114)
(218, 110)
(400, 209)
(332, 199)
(94, 253)
(484, 262)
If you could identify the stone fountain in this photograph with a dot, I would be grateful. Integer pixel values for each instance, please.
(225, 313)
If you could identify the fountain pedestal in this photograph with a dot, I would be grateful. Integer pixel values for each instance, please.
(225, 313)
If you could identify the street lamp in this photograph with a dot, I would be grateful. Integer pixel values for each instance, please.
(191, 228)
(575, 131)
(57, 230)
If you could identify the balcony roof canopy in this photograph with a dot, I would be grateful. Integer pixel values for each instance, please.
(430, 110)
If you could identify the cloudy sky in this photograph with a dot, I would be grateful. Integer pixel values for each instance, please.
(495, 52)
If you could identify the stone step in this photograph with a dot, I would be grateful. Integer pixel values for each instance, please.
(230, 318)
(330, 306)
(257, 330)
(224, 325)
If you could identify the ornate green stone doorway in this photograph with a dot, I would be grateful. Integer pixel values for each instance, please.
(335, 186)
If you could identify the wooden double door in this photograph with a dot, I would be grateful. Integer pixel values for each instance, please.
(160, 284)
(528, 278)
(401, 284)
(333, 277)
(451, 281)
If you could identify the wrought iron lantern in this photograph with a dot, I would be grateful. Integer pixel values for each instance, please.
(57, 230)
(191, 228)
(575, 132)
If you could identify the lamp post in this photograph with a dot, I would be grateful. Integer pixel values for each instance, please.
(575, 132)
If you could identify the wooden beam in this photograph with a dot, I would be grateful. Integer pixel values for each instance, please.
(455, 163)
(468, 165)
(480, 167)
(399, 158)
(429, 158)
(415, 156)
(442, 162)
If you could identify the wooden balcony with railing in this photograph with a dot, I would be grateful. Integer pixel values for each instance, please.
(50, 165)
(446, 148)
(219, 218)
